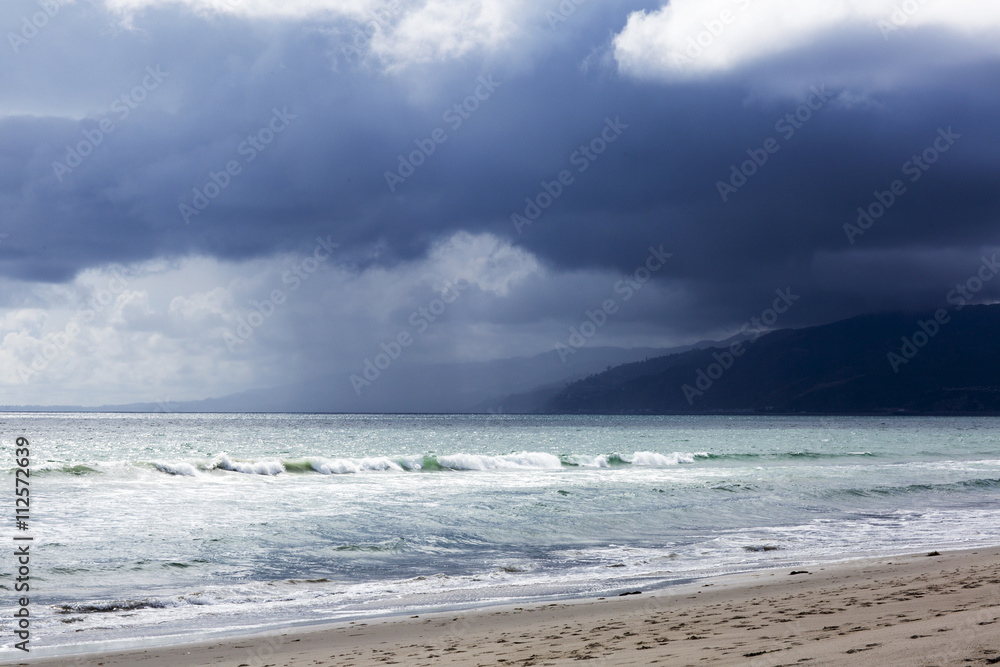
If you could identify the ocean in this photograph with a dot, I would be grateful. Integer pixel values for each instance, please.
(159, 528)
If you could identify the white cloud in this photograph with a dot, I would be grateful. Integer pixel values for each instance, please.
(690, 38)
(202, 306)
(450, 29)
(482, 260)
(106, 338)
(395, 32)
(258, 8)
(158, 330)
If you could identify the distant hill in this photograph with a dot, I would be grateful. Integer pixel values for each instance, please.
(856, 366)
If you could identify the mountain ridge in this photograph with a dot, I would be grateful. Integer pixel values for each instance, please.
(886, 363)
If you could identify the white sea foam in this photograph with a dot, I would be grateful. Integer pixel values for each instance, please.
(637, 459)
(348, 466)
(176, 468)
(535, 460)
(264, 467)
(654, 459)
(465, 461)
(415, 462)
(586, 461)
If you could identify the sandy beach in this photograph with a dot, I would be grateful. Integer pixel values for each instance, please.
(913, 610)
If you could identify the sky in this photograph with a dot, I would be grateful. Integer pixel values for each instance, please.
(199, 197)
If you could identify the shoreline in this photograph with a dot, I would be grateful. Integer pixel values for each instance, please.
(897, 610)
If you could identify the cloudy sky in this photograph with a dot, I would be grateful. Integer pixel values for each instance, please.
(203, 196)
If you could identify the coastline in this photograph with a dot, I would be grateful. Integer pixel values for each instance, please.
(908, 610)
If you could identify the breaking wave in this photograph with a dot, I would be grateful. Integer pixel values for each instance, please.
(458, 462)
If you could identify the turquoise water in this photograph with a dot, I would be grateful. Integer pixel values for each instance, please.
(153, 527)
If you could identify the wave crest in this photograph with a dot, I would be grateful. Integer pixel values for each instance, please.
(536, 460)
(265, 467)
(427, 463)
(346, 466)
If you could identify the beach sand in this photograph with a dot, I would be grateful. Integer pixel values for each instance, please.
(915, 610)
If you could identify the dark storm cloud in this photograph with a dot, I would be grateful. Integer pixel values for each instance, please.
(656, 184)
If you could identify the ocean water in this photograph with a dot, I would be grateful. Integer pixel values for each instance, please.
(155, 528)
